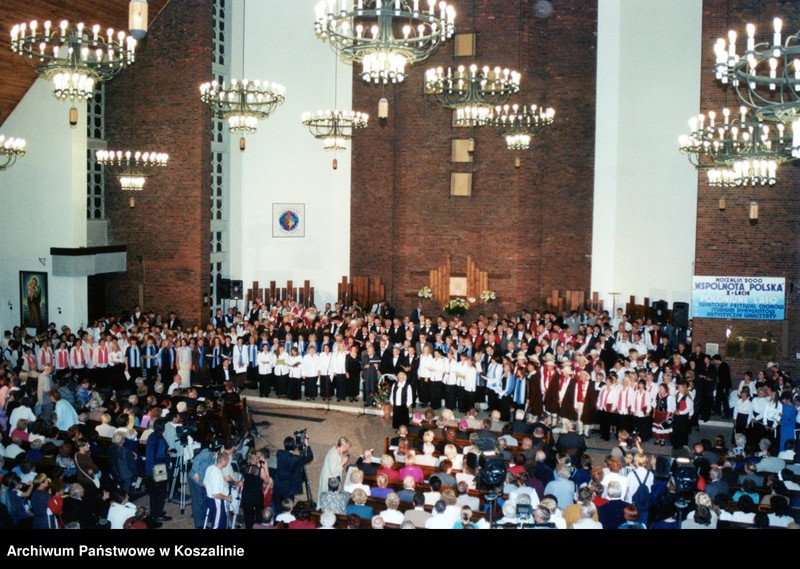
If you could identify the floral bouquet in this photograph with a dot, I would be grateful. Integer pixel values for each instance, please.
(384, 392)
(456, 306)
(488, 296)
(425, 292)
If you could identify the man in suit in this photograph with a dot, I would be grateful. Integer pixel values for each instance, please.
(721, 405)
(416, 315)
(399, 361)
(174, 322)
(396, 332)
(571, 443)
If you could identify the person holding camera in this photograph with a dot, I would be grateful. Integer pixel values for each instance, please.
(289, 469)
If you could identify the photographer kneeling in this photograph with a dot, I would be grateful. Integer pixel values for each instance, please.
(289, 469)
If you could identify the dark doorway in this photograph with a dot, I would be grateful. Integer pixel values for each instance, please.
(96, 289)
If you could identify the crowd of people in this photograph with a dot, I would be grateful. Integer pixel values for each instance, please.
(144, 395)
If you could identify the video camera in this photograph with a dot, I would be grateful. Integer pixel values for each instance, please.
(300, 439)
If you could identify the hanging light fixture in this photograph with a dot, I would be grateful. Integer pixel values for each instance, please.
(472, 92)
(766, 77)
(74, 58)
(748, 149)
(10, 149)
(131, 168)
(242, 103)
(518, 124)
(335, 128)
(384, 36)
(137, 18)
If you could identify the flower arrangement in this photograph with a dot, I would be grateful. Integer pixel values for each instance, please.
(425, 292)
(488, 296)
(384, 392)
(456, 306)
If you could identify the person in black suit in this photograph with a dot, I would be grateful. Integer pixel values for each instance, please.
(385, 353)
(416, 315)
(721, 405)
(174, 322)
(289, 471)
(398, 360)
(396, 332)
(572, 443)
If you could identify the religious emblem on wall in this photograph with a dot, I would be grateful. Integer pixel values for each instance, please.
(288, 220)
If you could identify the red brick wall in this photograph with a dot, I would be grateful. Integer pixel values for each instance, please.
(169, 226)
(531, 227)
(727, 244)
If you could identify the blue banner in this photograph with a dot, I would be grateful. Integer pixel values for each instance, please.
(743, 298)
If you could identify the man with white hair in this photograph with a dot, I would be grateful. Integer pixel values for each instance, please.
(588, 511)
(612, 514)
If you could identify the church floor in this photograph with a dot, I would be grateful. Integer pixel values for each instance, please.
(365, 431)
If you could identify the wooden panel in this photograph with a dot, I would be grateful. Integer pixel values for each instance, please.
(464, 45)
(460, 184)
(461, 150)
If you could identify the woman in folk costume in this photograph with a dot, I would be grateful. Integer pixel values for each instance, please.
(585, 403)
(535, 394)
(662, 415)
(625, 402)
(566, 396)
(550, 383)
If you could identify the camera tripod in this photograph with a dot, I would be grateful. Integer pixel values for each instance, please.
(304, 475)
(180, 476)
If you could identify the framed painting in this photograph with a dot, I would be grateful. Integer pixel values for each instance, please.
(33, 299)
(288, 220)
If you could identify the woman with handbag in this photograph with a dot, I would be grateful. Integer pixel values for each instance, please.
(155, 469)
(88, 475)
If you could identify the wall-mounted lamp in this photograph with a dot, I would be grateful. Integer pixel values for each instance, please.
(383, 111)
(73, 117)
(753, 212)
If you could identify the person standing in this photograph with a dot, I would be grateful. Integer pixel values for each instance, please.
(156, 454)
(684, 409)
(133, 360)
(369, 366)
(401, 397)
(788, 419)
(217, 492)
(352, 373)
(309, 372)
(724, 383)
(185, 363)
(266, 361)
(335, 461)
(288, 471)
